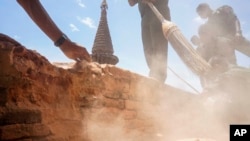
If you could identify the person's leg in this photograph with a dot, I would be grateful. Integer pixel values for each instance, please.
(160, 49)
(154, 43)
(146, 40)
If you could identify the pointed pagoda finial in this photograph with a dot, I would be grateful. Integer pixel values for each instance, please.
(102, 51)
(104, 5)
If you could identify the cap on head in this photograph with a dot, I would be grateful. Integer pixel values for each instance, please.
(202, 7)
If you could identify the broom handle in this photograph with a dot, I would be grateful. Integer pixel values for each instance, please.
(162, 19)
(156, 11)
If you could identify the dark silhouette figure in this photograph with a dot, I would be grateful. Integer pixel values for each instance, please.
(155, 45)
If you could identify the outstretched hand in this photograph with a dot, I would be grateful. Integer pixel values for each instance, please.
(75, 51)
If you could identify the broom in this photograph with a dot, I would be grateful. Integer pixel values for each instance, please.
(181, 45)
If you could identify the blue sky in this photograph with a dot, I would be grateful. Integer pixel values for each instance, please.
(79, 20)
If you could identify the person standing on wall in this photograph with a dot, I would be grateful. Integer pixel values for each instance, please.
(225, 25)
(155, 45)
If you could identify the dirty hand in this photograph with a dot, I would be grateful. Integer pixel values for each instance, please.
(132, 2)
(75, 51)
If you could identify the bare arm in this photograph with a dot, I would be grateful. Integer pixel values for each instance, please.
(39, 15)
(238, 27)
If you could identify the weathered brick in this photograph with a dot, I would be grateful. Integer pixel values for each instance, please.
(128, 114)
(27, 140)
(113, 103)
(20, 116)
(105, 115)
(3, 96)
(113, 94)
(131, 105)
(68, 129)
(136, 124)
(90, 101)
(18, 131)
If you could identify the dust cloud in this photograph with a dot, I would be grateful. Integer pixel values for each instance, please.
(164, 113)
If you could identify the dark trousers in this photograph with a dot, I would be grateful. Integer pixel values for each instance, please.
(155, 45)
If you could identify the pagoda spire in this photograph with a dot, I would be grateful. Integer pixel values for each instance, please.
(102, 51)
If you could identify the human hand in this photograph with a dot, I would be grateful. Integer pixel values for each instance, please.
(132, 2)
(75, 51)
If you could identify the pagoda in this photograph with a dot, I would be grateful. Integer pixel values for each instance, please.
(102, 51)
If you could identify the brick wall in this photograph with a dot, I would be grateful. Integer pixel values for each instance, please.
(42, 102)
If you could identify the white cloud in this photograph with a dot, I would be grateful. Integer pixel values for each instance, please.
(243, 22)
(117, 1)
(80, 3)
(73, 28)
(87, 21)
(198, 20)
(16, 37)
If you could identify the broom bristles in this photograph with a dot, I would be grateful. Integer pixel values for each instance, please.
(188, 55)
(181, 45)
